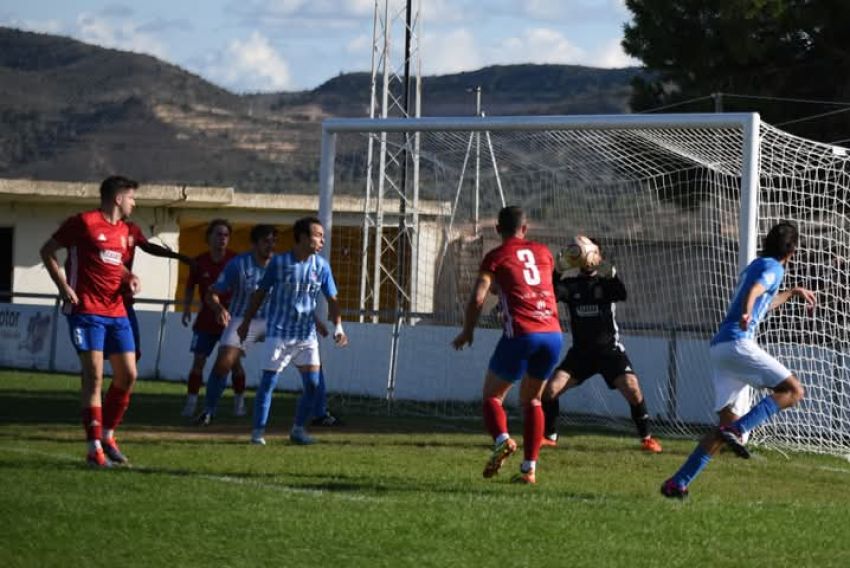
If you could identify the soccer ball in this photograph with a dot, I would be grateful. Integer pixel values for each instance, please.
(581, 253)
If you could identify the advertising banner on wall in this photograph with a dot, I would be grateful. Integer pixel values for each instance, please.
(25, 334)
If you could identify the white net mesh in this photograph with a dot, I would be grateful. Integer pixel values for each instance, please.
(663, 203)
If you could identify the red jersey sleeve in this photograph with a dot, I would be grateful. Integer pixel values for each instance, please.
(490, 262)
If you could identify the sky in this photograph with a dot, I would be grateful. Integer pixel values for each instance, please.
(291, 45)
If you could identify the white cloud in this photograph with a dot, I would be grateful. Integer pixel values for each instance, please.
(452, 52)
(42, 26)
(611, 55)
(539, 45)
(118, 33)
(250, 65)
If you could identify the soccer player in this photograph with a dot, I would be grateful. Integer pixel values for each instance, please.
(530, 345)
(239, 279)
(738, 361)
(590, 297)
(206, 330)
(97, 242)
(293, 281)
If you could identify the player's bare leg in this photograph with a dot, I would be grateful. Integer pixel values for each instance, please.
(496, 421)
(91, 382)
(117, 401)
(629, 387)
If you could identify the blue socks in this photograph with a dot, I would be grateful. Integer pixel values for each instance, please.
(692, 467)
(758, 415)
(320, 407)
(263, 400)
(304, 409)
(215, 387)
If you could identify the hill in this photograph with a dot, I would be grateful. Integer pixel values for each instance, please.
(74, 111)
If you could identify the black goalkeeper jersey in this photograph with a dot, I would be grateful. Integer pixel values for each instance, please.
(590, 300)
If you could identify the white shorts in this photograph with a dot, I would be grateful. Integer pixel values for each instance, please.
(256, 333)
(737, 364)
(300, 352)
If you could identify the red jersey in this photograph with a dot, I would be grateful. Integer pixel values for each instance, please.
(523, 272)
(135, 238)
(95, 264)
(203, 275)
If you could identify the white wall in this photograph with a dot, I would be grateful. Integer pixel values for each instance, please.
(34, 223)
(428, 368)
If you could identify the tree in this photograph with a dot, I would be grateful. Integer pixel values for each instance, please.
(769, 48)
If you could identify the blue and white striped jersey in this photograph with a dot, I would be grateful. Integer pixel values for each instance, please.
(293, 292)
(241, 276)
(766, 271)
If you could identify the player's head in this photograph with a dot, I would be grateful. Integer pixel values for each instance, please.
(309, 234)
(263, 239)
(781, 241)
(119, 192)
(218, 234)
(512, 222)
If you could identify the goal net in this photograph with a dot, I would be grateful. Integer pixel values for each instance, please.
(679, 203)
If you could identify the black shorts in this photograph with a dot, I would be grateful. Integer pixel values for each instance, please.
(581, 364)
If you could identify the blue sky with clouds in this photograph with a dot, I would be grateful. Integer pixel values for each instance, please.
(274, 45)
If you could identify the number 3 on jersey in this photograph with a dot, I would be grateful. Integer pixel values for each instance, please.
(531, 273)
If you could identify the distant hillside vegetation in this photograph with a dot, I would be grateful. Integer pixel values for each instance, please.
(73, 111)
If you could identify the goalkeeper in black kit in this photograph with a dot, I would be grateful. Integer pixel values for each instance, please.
(590, 296)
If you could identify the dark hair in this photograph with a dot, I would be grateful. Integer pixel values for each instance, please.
(215, 223)
(113, 185)
(510, 220)
(302, 226)
(260, 232)
(781, 240)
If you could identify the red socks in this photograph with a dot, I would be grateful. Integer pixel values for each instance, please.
(196, 379)
(114, 407)
(93, 423)
(532, 430)
(495, 418)
(238, 382)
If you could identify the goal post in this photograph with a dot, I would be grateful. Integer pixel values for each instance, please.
(679, 202)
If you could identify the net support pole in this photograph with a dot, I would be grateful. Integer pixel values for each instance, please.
(748, 221)
(326, 199)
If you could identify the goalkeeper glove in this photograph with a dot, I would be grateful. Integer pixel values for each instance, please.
(606, 270)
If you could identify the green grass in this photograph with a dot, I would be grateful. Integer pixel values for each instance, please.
(385, 491)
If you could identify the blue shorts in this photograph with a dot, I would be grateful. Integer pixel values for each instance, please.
(535, 355)
(134, 325)
(101, 333)
(204, 342)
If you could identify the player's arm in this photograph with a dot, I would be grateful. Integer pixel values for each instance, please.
(754, 292)
(51, 263)
(798, 291)
(257, 299)
(213, 300)
(164, 252)
(613, 288)
(335, 317)
(188, 296)
(473, 310)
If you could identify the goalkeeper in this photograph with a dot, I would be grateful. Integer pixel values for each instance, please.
(590, 295)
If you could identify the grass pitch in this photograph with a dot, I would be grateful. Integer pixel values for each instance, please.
(386, 491)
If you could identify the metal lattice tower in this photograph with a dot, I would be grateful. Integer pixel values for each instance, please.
(392, 184)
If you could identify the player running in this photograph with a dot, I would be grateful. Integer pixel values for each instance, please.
(531, 342)
(738, 361)
(239, 279)
(591, 296)
(206, 331)
(294, 281)
(97, 242)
